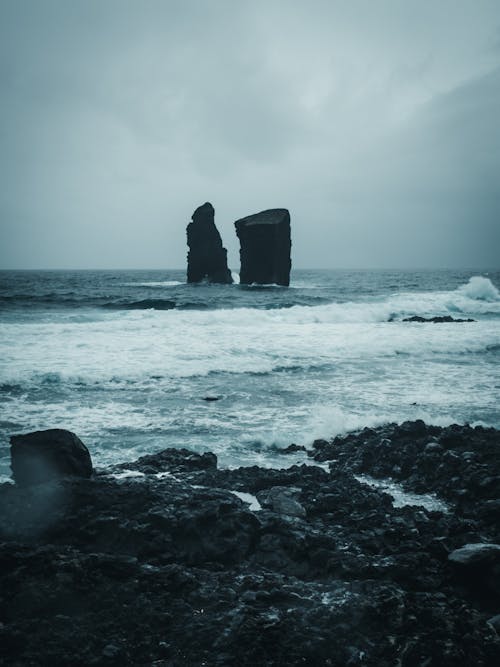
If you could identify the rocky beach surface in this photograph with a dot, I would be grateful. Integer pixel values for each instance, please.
(170, 560)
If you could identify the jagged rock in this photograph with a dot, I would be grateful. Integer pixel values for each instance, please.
(45, 455)
(265, 247)
(280, 499)
(437, 320)
(207, 259)
(293, 448)
(169, 567)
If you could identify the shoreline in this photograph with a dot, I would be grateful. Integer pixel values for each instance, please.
(161, 562)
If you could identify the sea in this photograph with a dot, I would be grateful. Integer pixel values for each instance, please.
(137, 361)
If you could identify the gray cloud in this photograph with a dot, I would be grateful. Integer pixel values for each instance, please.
(374, 123)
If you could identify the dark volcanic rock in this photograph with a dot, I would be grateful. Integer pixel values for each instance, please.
(207, 259)
(472, 555)
(437, 320)
(265, 247)
(170, 568)
(44, 455)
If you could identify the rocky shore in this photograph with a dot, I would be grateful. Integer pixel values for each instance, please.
(170, 560)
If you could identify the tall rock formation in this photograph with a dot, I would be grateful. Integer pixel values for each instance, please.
(265, 246)
(207, 259)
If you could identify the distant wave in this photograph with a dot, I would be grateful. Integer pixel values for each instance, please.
(479, 297)
(143, 304)
(155, 283)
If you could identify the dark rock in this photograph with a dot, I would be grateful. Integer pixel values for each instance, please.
(494, 621)
(293, 448)
(472, 555)
(436, 320)
(171, 460)
(265, 246)
(170, 567)
(207, 259)
(45, 455)
(281, 500)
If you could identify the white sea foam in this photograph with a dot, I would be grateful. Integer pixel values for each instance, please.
(135, 346)
(248, 498)
(155, 283)
(401, 498)
(481, 288)
(137, 378)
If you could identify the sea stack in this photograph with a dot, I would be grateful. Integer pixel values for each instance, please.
(265, 246)
(207, 259)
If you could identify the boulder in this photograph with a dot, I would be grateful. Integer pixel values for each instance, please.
(280, 499)
(476, 554)
(42, 456)
(207, 259)
(265, 246)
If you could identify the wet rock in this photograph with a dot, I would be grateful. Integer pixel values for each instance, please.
(494, 621)
(207, 259)
(472, 555)
(293, 448)
(42, 456)
(281, 500)
(436, 320)
(168, 567)
(171, 461)
(265, 246)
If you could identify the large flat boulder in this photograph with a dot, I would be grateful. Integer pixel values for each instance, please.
(265, 246)
(42, 456)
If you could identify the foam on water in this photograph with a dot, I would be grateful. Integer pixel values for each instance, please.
(248, 498)
(155, 283)
(401, 498)
(481, 288)
(132, 346)
(130, 382)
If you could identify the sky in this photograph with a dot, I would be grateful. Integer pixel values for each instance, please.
(375, 122)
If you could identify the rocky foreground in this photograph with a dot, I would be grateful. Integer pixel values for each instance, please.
(158, 562)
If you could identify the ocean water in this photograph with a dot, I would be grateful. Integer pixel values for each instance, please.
(125, 359)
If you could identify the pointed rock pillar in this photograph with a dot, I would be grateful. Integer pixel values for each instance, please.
(207, 259)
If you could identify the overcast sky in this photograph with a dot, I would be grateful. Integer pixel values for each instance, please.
(376, 123)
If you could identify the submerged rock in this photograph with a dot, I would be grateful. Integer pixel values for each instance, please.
(265, 247)
(207, 259)
(42, 456)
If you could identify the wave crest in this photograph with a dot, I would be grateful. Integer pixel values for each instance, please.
(480, 288)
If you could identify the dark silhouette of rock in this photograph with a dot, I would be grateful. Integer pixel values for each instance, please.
(437, 320)
(265, 247)
(45, 455)
(207, 259)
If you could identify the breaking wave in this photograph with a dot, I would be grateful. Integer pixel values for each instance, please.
(480, 288)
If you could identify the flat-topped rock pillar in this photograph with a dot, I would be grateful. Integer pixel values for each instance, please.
(265, 246)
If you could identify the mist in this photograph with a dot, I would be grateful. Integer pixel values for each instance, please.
(375, 124)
